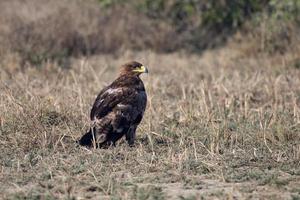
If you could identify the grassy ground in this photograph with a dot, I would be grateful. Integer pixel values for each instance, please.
(225, 125)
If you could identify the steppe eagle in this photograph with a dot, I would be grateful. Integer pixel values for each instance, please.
(118, 109)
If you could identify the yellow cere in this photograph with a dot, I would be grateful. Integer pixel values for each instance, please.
(141, 69)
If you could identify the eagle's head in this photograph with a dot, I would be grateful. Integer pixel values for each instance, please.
(133, 68)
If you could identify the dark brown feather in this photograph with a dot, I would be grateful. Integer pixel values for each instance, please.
(118, 109)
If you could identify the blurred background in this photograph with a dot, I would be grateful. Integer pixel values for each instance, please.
(33, 32)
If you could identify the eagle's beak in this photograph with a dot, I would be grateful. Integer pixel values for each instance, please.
(142, 69)
(145, 69)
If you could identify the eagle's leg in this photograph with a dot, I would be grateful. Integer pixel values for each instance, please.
(130, 135)
(111, 139)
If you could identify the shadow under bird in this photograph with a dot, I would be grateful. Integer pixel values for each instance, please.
(118, 109)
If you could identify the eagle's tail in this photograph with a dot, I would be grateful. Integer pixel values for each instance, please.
(87, 139)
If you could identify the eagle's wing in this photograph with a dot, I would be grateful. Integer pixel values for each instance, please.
(108, 99)
(130, 110)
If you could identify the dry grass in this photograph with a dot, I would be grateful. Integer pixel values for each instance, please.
(220, 126)
(223, 125)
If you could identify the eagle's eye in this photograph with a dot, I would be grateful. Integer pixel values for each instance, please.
(140, 69)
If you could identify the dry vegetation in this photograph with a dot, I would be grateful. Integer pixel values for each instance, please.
(216, 126)
(221, 125)
(44, 30)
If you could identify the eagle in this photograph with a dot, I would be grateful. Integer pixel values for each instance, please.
(118, 109)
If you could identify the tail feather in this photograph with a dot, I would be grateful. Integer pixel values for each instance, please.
(87, 139)
(103, 134)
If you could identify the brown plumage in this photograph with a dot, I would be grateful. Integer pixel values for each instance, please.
(118, 109)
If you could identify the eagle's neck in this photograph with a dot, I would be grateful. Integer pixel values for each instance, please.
(132, 81)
